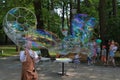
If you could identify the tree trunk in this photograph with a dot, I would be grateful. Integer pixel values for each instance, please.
(78, 6)
(114, 7)
(71, 17)
(52, 12)
(66, 9)
(48, 24)
(102, 22)
(6, 39)
(52, 4)
(63, 10)
(87, 3)
(102, 18)
(38, 13)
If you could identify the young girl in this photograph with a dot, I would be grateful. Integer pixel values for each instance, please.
(113, 48)
(76, 60)
(98, 52)
(103, 55)
(89, 59)
(93, 52)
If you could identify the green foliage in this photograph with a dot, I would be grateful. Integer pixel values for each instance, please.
(8, 51)
(91, 9)
(9, 4)
(113, 28)
(1, 32)
(52, 21)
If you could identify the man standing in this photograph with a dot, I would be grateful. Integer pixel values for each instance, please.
(28, 58)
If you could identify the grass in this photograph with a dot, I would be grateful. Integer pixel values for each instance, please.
(8, 51)
(11, 51)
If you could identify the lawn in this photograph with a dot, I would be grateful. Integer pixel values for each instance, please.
(8, 51)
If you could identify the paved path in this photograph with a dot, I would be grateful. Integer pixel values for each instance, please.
(10, 69)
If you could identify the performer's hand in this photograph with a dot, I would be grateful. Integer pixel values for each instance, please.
(25, 52)
(35, 76)
(39, 57)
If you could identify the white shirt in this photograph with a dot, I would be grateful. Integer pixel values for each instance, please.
(77, 56)
(114, 48)
(33, 54)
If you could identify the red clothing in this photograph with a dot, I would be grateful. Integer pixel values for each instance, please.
(28, 69)
(103, 58)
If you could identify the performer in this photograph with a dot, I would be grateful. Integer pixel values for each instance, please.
(28, 58)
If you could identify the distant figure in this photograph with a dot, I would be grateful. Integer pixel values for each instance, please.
(103, 54)
(28, 58)
(98, 52)
(89, 59)
(76, 60)
(113, 48)
(93, 50)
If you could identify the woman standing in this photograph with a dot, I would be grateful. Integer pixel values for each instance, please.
(113, 48)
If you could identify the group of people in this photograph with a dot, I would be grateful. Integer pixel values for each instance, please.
(28, 57)
(98, 53)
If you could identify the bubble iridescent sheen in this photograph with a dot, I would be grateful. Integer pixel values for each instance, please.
(91, 22)
(20, 26)
(78, 40)
(82, 31)
(44, 38)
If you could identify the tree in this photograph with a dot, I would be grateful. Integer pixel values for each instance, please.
(102, 18)
(105, 11)
(78, 6)
(71, 15)
(113, 20)
(38, 13)
(114, 3)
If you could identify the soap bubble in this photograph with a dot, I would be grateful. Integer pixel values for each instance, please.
(82, 32)
(17, 23)
(20, 26)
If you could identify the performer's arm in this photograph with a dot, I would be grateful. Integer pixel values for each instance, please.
(22, 56)
(35, 56)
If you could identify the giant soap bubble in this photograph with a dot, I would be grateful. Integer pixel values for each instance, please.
(17, 23)
(82, 26)
(20, 26)
(82, 31)
(43, 38)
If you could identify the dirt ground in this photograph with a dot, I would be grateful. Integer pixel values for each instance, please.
(10, 69)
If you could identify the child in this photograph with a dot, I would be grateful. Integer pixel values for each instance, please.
(89, 59)
(93, 52)
(112, 50)
(76, 60)
(103, 54)
(98, 52)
